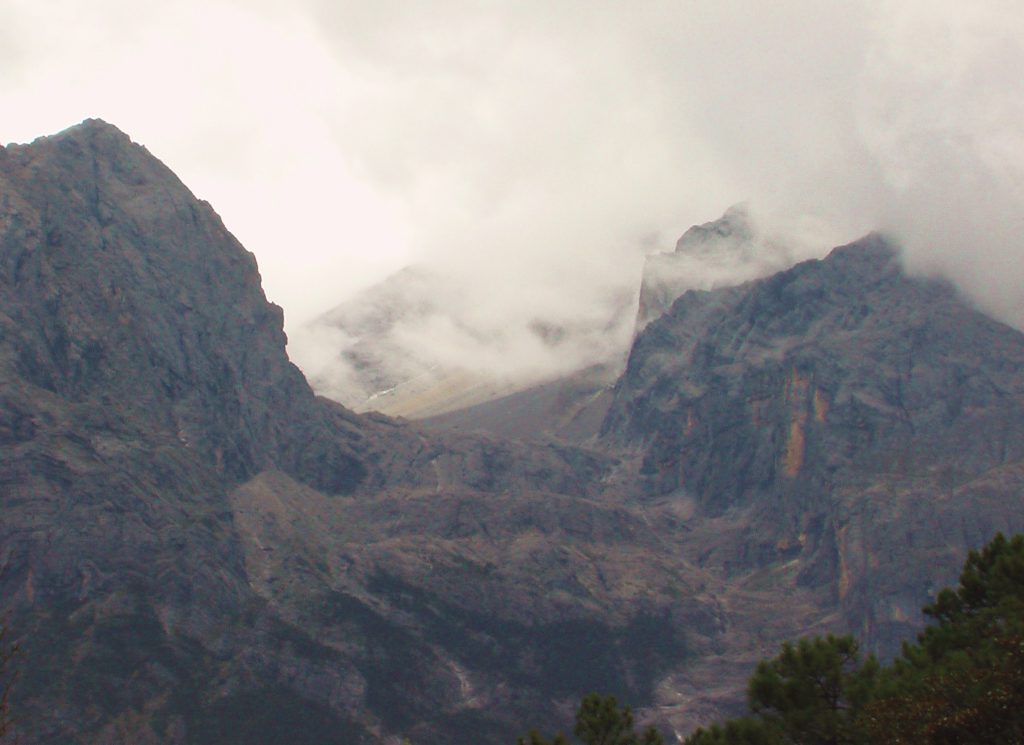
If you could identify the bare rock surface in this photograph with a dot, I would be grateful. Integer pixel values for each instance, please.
(716, 254)
(148, 419)
(860, 424)
(195, 548)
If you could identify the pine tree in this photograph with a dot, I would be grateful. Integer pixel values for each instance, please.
(600, 721)
(963, 681)
(810, 694)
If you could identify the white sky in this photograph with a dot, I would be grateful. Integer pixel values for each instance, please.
(539, 145)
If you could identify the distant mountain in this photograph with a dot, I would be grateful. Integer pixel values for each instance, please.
(571, 407)
(194, 548)
(393, 339)
(413, 346)
(725, 252)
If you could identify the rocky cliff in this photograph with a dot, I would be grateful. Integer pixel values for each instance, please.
(855, 425)
(194, 548)
(724, 252)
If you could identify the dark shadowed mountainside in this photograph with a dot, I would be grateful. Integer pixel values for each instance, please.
(194, 548)
(856, 424)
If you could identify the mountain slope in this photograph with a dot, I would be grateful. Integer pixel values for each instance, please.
(143, 376)
(424, 342)
(863, 425)
(194, 548)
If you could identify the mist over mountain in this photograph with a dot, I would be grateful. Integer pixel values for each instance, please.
(728, 251)
(425, 341)
(195, 548)
(547, 148)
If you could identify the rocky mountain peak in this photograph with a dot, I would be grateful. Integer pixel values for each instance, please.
(734, 229)
(89, 129)
(150, 301)
(792, 399)
(85, 132)
(872, 254)
(718, 253)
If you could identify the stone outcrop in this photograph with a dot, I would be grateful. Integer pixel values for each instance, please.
(864, 425)
(724, 252)
(194, 548)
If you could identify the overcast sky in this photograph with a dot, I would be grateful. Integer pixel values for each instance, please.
(545, 145)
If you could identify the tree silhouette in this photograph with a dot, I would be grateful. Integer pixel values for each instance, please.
(600, 721)
(810, 694)
(961, 682)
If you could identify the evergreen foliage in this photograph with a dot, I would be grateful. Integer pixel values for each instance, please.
(811, 693)
(961, 682)
(600, 721)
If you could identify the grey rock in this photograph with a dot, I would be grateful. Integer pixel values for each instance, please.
(196, 548)
(716, 254)
(854, 420)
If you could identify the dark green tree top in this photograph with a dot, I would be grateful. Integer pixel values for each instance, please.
(810, 694)
(988, 604)
(601, 721)
(962, 682)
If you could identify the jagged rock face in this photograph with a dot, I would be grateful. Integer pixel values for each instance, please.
(720, 253)
(853, 416)
(143, 376)
(118, 285)
(194, 548)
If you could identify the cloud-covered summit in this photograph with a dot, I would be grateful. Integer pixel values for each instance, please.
(424, 341)
(724, 252)
(534, 148)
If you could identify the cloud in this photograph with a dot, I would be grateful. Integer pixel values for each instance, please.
(234, 98)
(941, 107)
(536, 151)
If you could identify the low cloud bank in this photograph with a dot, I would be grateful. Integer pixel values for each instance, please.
(533, 155)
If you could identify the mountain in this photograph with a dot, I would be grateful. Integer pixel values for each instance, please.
(839, 421)
(568, 409)
(724, 252)
(393, 341)
(371, 362)
(417, 345)
(572, 407)
(195, 548)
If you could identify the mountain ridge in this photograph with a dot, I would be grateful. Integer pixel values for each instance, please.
(197, 549)
(147, 406)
